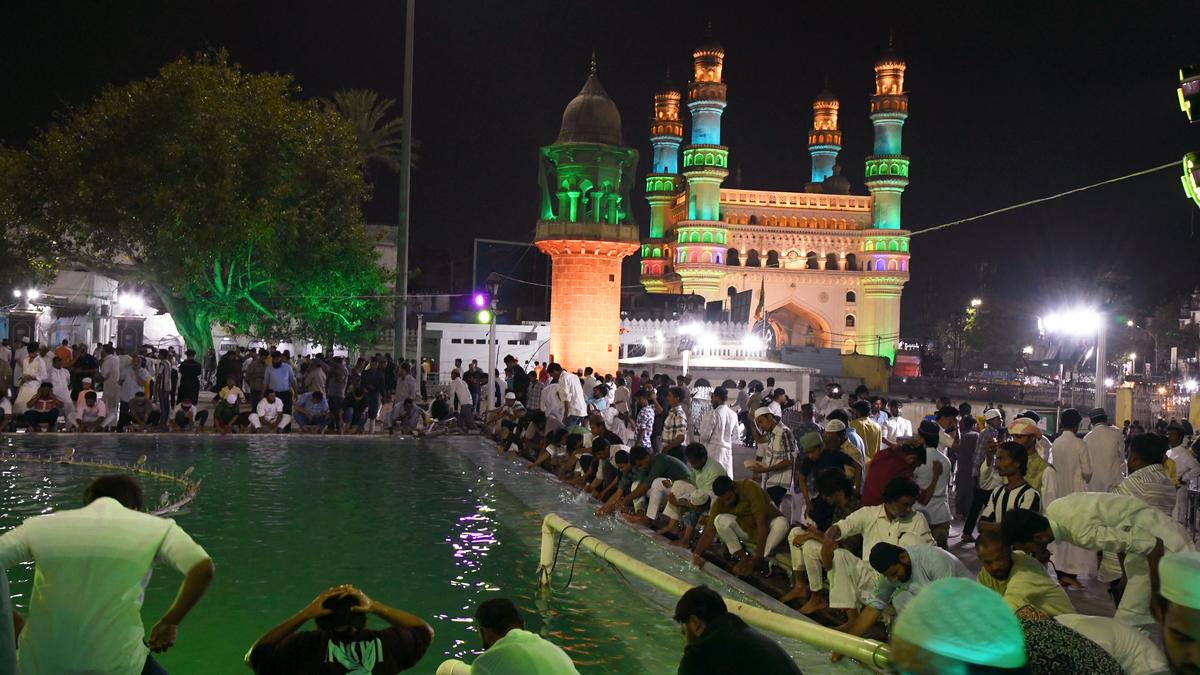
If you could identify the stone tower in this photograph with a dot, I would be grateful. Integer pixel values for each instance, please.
(586, 228)
(885, 247)
(700, 249)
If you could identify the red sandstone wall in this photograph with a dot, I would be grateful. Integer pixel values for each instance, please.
(585, 310)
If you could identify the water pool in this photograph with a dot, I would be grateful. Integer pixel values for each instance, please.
(431, 527)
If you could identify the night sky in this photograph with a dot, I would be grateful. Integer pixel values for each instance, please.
(1009, 102)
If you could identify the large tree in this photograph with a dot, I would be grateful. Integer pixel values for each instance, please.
(228, 194)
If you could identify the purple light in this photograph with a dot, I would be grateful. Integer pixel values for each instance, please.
(480, 300)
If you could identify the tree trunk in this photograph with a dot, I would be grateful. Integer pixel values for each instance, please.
(193, 324)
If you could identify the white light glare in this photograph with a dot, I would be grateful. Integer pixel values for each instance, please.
(131, 301)
(1083, 321)
(691, 329)
(1191, 386)
(1027, 350)
(752, 342)
(1108, 382)
(33, 294)
(16, 292)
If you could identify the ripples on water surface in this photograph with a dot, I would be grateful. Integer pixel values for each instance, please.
(416, 525)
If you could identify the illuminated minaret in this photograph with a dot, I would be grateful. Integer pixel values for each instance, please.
(825, 138)
(885, 247)
(663, 184)
(586, 228)
(700, 250)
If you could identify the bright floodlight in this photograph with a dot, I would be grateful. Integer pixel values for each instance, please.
(33, 294)
(131, 301)
(1027, 350)
(975, 302)
(1191, 386)
(752, 342)
(480, 299)
(1108, 382)
(1129, 323)
(16, 293)
(484, 316)
(1162, 390)
(1083, 321)
(1132, 356)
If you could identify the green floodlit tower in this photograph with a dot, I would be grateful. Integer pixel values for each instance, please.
(885, 247)
(663, 186)
(701, 238)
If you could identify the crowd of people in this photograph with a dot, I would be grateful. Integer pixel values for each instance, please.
(855, 502)
(70, 388)
(843, 495)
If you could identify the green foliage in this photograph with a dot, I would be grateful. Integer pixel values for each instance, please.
(379, 139)
(224, 191)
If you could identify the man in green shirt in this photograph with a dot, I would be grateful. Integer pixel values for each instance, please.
(1018, 578)
(692, 497)
(742, 513)
(647, 470)
(509, 649)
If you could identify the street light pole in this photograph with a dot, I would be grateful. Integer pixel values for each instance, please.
(400, 340)
(1101, 390)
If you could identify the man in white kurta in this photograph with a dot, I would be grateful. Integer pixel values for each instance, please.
(718, 430)
(1072, 469)
(33, 373)
(1106, 451)
(1104, 522)
(1187, 469)
(60, 378)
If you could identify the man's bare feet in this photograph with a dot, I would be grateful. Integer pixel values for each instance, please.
(817, 601)
(797, 592)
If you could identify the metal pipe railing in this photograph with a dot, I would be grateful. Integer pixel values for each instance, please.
(556, 528)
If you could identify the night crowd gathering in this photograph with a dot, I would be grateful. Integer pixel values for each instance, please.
(843, 508)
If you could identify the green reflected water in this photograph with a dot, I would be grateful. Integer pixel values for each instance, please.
(413, 525)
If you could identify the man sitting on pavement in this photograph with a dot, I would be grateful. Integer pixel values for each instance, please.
(904, 572)
(1018, 578)
(142, 414)
(720, 643)
(894, 522)
(652, 476)
(742, 514)
(509, 649)
(695, 501)
(836, 488)
(311, 412)
(270, 413)
(186, 417)
(90, 414)
(342, 638)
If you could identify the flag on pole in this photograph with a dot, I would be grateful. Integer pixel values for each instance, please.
(762, 301)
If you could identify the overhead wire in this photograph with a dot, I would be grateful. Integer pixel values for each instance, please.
(1039, 200)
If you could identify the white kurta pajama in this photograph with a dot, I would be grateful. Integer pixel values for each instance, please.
(1119, 524)
(1106, 452)
(1072, 468)
(718, 430)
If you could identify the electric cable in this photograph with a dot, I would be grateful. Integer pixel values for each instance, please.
(1039, 200)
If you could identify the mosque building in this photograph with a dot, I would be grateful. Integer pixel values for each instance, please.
(828, 266)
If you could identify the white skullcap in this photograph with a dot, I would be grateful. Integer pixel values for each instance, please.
(1180, 578)
(835, 425)
(510, 396)
(764, 411)
(991, 414)
(962, 620)
(1023, 426)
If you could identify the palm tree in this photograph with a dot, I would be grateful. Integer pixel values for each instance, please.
(379, 138)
